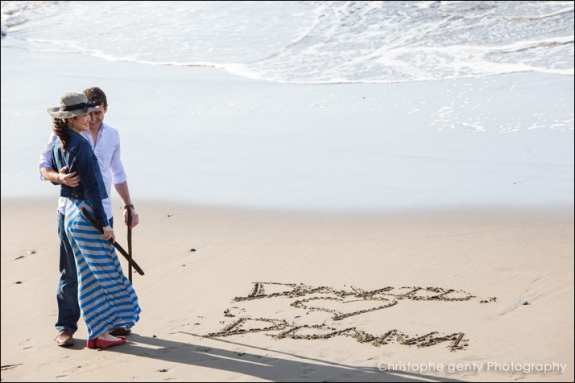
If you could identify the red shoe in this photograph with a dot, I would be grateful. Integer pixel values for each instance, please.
(92, 343)
(102, 343)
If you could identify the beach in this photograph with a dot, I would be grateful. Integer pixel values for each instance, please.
(343, 198)
(511, 268)
(490, 238)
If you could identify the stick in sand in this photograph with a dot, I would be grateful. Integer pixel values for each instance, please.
(97, 225)
(130, 243)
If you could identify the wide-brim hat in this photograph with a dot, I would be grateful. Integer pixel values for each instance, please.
(72, 105)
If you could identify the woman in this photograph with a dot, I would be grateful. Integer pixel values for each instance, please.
(106, 297)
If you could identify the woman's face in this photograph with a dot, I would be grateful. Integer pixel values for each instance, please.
(80, 123)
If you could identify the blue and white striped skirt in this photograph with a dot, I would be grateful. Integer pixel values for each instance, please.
(107, 298)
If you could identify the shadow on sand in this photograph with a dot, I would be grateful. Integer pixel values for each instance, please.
(258, 365)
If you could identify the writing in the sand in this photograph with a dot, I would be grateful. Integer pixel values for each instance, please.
(330, 300)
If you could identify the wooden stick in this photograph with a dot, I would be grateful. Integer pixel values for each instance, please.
(97, 225)
(130, 243)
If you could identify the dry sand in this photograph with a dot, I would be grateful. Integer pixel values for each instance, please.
(246, 295)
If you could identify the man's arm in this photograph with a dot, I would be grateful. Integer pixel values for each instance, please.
(124, 194)
(120, 179)
(49, 173)
(71, 179)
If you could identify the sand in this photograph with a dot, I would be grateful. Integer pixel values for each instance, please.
(234, 294)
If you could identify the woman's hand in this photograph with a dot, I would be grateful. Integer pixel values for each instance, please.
(109, 234)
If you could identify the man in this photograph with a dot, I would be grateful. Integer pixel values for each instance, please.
(105, 142)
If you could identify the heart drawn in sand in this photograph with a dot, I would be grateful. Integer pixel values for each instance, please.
(344, 307)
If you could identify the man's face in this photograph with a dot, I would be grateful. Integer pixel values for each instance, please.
(97, 116)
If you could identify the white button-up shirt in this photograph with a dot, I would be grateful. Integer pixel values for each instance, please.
(107, 150)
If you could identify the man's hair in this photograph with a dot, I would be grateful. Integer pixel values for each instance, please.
(96, 94)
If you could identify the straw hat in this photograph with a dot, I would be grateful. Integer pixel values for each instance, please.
(72, 105)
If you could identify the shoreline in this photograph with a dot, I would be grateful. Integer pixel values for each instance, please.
(198, 259)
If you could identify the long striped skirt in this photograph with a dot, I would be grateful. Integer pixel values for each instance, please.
(106, 297)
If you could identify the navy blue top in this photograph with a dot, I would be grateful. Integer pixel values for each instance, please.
(80, 158)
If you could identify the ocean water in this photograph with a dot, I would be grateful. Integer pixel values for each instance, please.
(314, 105)
(309, 42)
